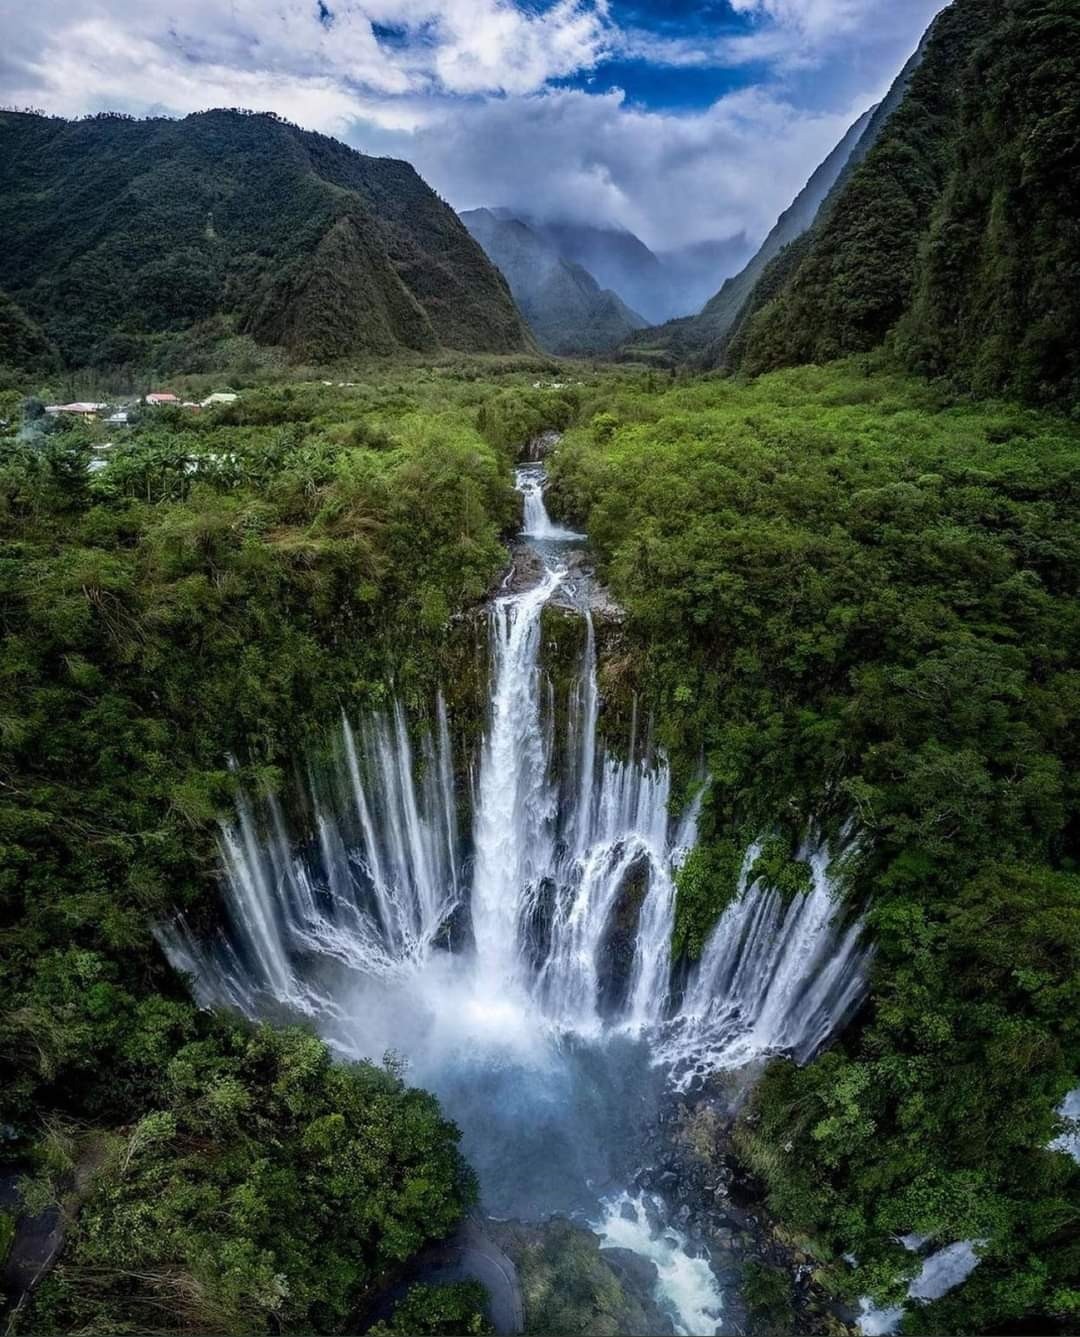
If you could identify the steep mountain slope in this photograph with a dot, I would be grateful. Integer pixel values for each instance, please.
(615, 256)
(699, 334)
(659, 285)
(566, 308)
(23, 345)
(116, 231)
(704, 337)
(958, 235)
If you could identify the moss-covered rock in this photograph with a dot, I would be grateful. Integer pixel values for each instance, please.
(570, 1285)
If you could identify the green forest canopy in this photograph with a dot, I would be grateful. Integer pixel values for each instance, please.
(854, 594)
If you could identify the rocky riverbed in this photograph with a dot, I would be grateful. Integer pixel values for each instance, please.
(712, 1200)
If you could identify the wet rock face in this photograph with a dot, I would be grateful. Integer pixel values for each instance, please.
(581, 591)
(712, 1201)
(620, 940)
(540, 445)
(526, 570)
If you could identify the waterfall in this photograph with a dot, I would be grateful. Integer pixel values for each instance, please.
(538, 524)
(516, 804)
(686, 1287)
(774, 977)
(571, 898)
(511, 936)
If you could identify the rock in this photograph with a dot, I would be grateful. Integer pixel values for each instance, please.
(526, 571)
(540, 445)
(570, 1284)
(636, 1272)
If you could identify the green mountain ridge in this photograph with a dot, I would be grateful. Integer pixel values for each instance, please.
(118, 232)
(956, 238)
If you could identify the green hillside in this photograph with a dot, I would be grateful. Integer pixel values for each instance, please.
(120, 234)
(957, 236)
(23, 346)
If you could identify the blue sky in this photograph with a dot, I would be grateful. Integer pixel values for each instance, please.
(682, 121)
(649, 83)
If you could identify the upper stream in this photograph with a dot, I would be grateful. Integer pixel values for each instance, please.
(509, 934)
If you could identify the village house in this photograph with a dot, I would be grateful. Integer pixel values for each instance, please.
(83, 409)
(161, 398)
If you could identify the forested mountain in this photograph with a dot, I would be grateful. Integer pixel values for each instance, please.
(957, 237)
(699, 335)
(120, 232)
(23, 345)
(617, 258)
(566, 308)
(706, 336)
(660, 285)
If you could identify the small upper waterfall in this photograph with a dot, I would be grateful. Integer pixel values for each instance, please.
(501, 930)
(538, 524)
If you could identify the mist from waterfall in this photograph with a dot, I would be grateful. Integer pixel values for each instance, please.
(503, 922)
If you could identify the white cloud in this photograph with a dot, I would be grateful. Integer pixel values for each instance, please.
(456, 46)
(810, 16)
(673, 179)
(462, 89)
(796, 33)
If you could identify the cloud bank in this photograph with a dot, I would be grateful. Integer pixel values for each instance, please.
(491, 99)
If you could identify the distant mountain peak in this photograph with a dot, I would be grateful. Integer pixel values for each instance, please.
(566, 307)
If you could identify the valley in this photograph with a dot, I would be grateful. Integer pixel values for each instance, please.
(539, 772)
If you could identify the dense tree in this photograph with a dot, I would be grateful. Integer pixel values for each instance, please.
(856, 600)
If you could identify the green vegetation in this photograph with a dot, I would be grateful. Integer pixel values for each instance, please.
(767, 1291)
(958, 234)
(850, 596)
(706, 884)
(23, 346)
(855, 597)
(264, 1185)
(569, 1285)
(226, 584)
(453, 1310)
(157, 244)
